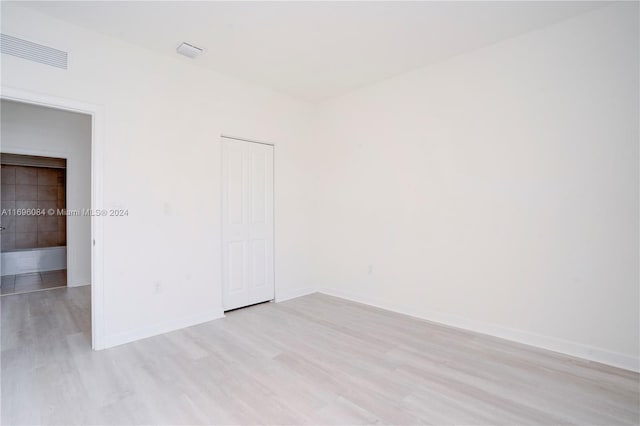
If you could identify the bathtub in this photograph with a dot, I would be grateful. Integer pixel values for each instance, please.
(34, 260)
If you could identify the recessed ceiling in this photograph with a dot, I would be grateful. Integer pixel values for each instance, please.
(315, 50)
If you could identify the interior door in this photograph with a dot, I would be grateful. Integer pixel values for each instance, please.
(247, 223)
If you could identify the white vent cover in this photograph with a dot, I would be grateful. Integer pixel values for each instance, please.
(33, 51)
(189, 50)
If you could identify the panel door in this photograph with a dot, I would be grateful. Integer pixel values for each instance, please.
(247, 223)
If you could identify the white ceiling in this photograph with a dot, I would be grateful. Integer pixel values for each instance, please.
(315, 50)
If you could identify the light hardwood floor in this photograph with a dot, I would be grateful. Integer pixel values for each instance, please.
(312, 360)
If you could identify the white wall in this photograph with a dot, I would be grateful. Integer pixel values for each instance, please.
(496, 191)
(163, 118)
(35, 130)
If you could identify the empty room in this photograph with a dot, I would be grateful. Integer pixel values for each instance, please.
(320, 213)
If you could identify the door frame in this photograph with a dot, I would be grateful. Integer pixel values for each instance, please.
(97, 175)
(272, 144)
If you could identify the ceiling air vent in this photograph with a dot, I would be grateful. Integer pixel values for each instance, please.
(189, 50)
(33, 51)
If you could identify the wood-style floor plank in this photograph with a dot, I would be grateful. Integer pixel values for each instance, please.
(312, 360)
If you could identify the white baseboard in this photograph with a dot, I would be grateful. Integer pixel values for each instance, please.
(299, 292)
(166, 327)
(566, 347)
(78, 285)
(34, 260)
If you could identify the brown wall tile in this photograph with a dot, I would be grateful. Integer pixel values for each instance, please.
(62, 223)
(8, 175)
(47, 204)
(33, 188)
(26, 175)
(48, 192)
(8, 192)
(26, 204)
(48, 176)
(8, 241)
(8, 205)
(27, 192)
(47, 239)
(26, 240)
(47, 223)
(9, 223)
(26, 224)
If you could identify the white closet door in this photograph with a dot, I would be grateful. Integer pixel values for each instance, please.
(247, 223)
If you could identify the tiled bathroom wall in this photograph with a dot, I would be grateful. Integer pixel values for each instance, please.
(32, 188)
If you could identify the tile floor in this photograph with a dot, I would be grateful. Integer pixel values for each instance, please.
(24, 283)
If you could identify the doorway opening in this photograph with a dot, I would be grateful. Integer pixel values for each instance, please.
(34, 227)
(85, 249)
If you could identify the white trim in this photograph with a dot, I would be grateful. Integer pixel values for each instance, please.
(97, 141)
(299, 292)
(222, 135)
(221, 224)
(37, 152)
(562, 346)
(165, 327)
